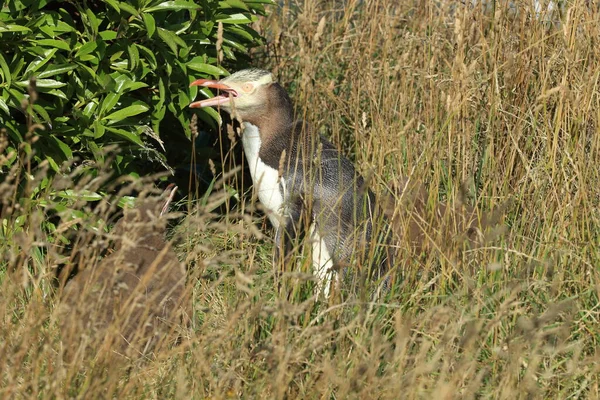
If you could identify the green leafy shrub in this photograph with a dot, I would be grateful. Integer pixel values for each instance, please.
(108, 72)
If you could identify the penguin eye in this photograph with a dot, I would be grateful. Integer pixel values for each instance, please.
(247, 87)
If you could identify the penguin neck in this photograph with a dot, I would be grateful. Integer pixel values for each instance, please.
(268, 132)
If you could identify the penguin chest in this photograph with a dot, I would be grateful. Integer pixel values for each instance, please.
(268, 185)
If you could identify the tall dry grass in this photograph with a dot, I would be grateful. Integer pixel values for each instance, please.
(450, 96)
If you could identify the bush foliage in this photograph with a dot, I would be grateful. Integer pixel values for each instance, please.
(108, 72)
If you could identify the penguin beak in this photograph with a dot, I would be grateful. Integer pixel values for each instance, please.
(228, 91)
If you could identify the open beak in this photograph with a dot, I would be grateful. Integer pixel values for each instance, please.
(224, 98)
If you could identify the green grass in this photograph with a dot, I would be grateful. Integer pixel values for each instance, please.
(500, 104)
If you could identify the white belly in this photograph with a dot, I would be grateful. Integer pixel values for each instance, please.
(266, 180)
(321, 261)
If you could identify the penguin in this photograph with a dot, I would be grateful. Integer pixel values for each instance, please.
(137, 293)
(302, 181)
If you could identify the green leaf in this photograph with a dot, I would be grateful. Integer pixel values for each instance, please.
(149, 56)
(14, 28)
(237, 19)
(17, 94)
(105, 80)
(126, 112)
(198, 39)
(126, 202)
(108, 35)
(134, 56)
(127, 8)
(99, 129)
(54, 92)
(3, 106)
(44, 83)
(86, 49)
(121, 80)
(48, 31)
(167, 38)
(206, 68)
(64, 148)
(59, 44)
(131, 86)
(174, 5)
(116, 56)
(127, 135)
(184, 100)
(89, 109)
(93, 21)
(233, 42)
(86, 73)
(41, 111)
(245, 32)
(161, 92)
(5, 70)
(57, 69)
(233, 4)
(150, 24)
(89, 57)
(171, 39)
(17, 65)
(53, 164)
(39, 62)
(109, 102)
(159, 109)
(86, 195)
(60, 27)
(213, 113)
(114, 4)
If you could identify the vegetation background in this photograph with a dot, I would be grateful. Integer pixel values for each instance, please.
(493, 100)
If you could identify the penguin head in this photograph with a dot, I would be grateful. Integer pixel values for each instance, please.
(240, 94)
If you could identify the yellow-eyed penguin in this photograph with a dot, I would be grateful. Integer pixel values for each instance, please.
(132, 299)
(297, 172)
